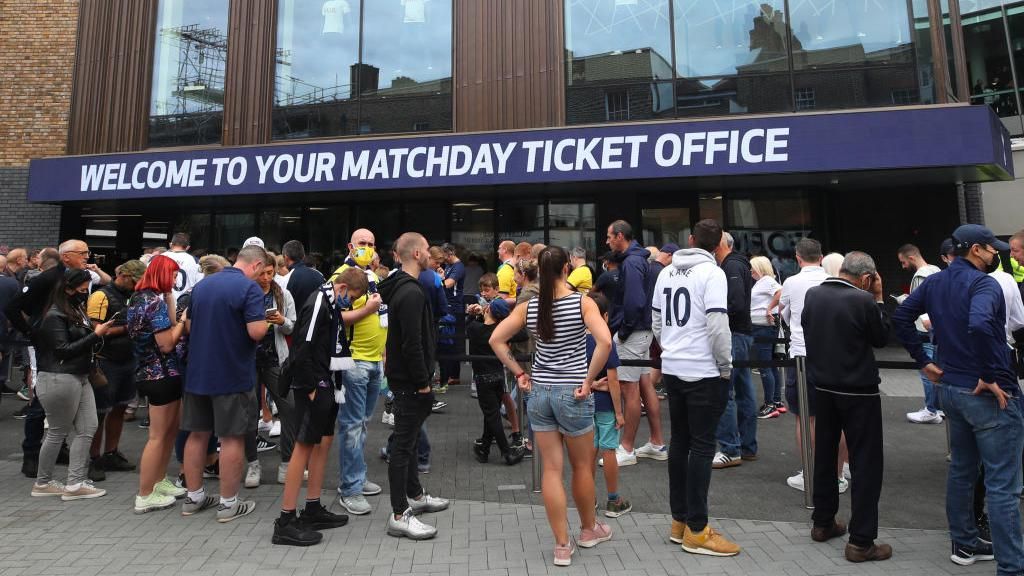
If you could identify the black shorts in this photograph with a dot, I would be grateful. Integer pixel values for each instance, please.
(793, 400)
(315, 419)
(160, 392)
(225, 415)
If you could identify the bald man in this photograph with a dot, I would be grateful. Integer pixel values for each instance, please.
(17, 264)
(506, 271)
(366, 325)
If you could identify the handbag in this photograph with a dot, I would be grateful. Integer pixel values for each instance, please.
(97, 377)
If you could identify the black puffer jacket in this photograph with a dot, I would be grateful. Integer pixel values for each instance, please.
(64, 345)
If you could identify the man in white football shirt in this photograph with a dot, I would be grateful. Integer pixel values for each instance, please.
(188, 267)
(691, 323)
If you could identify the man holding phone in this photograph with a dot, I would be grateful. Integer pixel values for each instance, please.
(117, 360)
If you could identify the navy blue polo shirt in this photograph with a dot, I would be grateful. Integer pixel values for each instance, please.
(221, 355)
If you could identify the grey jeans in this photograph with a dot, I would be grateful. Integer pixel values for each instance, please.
(70, 407)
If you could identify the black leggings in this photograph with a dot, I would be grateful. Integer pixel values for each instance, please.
(490, 388)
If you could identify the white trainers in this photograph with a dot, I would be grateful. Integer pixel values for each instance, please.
(622, 457)
(82, 491)
(924, 416)
(264, 427)
(427, 503)
(653, 451)
(846, 471)
(409, 526)
(275, 430)
(253, 474)
(388, 418)
(282, 473)
(723, 460)
(796, 481)
(844, 485)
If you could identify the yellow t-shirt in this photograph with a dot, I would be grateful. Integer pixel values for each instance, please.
(98, 306)
(581, 279)
(507, 280)
(370, 334)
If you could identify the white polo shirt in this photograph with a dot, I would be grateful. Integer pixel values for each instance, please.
(794, 289)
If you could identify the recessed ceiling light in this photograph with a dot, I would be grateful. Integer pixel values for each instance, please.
(465, 204)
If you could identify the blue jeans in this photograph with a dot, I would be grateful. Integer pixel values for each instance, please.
(979, 432)
(930, 394)
(362, 386)
(763, 353)
(737, 429)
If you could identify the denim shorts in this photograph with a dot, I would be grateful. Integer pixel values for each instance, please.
(555, 408)
(606, 436)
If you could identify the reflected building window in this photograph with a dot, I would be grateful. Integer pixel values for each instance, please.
(988, 62)
(189, 65)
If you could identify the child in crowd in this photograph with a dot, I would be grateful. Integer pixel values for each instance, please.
(489, 376)
(608, 418)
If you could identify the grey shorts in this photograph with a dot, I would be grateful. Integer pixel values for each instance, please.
(636, 347)
(225, 415)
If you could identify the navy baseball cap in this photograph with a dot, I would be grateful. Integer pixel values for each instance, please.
(947, 247)
(670, 248)
(499, 309)
(970, 234)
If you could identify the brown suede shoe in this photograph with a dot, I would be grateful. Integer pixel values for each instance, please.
(824, 534)
(875, 553)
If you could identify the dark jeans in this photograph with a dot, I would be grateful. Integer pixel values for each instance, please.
(860, 417)
(33, 429)
(285, 410)
(737, 428)
(451, 369)
(763, 352)
(694, 408)
(411, 411)
(489, 390)
(422, 447)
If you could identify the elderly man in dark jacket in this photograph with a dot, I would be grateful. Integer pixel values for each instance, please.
(843, 319)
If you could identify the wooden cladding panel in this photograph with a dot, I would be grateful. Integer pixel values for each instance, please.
(250, 72)
(113, 76)
(509, 64)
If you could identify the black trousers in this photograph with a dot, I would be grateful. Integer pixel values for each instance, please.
(860, 417)
(411, 411)
(694, 408)
(489, 390)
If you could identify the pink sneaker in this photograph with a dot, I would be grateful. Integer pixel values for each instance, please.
(563, 554)
(591, 537)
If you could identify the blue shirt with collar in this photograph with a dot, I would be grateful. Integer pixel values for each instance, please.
(222, 356)
(968, 315)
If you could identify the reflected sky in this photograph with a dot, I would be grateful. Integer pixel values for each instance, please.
(188, 75)
(600, 26)
(875, 24)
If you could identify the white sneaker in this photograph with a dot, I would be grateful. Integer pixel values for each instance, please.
(653, 451)
(388, 418)
(723, 460)
(796, 481)
(846, 471)
(924, 416)
(427, 503)
(844, 485)
(410, 527)
(253, 474)
(264, 427)
(622, 457)
(282, 473)
(275, 430)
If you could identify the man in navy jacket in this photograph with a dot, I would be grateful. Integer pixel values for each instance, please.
(978, 392)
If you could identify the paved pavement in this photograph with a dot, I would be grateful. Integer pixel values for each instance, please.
(495, 525)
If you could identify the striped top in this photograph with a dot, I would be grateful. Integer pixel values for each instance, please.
(562, 361)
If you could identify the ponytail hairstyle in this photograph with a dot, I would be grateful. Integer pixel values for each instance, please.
(550, 265)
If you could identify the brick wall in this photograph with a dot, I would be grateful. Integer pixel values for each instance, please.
(37, 56)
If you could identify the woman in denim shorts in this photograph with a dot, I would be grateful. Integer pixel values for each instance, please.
(560, 405)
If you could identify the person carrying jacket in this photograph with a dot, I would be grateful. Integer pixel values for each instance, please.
(410, 351)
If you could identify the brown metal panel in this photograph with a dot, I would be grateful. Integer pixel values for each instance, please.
(249, 81)
(962, 88)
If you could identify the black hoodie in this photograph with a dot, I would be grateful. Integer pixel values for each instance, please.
(737, 272)
(411, 342)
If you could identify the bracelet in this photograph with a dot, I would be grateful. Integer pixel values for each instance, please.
(520, 375)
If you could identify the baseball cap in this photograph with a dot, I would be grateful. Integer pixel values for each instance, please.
(670, 248)
(134, 269)
(970, 234)
(254, 241)
(946, 248)
(499, 309)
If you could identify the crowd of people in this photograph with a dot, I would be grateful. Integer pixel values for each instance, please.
(217, 347)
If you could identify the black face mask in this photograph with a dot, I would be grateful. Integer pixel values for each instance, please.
(78, 299)
(993, 265)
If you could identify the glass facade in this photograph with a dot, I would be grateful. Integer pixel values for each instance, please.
(189, 65)
(736, 57)
(994, 47)
(347, 67)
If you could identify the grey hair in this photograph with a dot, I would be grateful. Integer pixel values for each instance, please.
(578, 252)
(728, 240)
(67, 246)
(858, 264)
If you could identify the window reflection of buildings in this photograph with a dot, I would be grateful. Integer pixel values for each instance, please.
(636, 81)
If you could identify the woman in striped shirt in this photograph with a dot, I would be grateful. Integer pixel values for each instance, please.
(560, 406)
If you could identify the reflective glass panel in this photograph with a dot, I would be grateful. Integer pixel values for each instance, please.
(521, 222)
(473, 232)
(832, 33)
(988, 61)
(572, 225)
(187, 102)
(723, 37)
(280, 226)
(230, 230)
(666, 225)
(329, 233)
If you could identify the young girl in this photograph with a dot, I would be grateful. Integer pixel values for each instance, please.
(608, 418)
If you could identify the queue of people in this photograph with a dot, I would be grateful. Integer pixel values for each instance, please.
(216, 347)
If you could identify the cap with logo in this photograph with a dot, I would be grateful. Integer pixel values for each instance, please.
(970, 234)
(254, 241)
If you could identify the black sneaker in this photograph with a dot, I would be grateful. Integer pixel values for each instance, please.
(96, 472)
(767, 411)
(294, 533)
(116, 462)
(516, 439)
(315, 517)
(30, 466)
(144, 423)
(482, 453)
(64, 456)
(264, 445)
(21, 413)
(514, 455)
(212, 471)
(966, 556)
(984, 531)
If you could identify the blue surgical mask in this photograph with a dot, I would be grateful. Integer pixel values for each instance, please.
(344, 302)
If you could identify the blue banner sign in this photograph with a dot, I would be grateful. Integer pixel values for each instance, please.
(907, 138)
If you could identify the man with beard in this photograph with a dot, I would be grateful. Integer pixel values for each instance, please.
(912, 261)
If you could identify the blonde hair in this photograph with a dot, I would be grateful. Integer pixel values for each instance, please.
(762, 266)
(212, 263)
(832, 263)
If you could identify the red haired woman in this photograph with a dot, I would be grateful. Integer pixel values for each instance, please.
(153, 329)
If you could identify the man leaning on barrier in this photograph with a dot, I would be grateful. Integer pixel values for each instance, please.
(978, 392)
(843, 319)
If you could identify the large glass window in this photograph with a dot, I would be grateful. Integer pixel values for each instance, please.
(665, 225)
(473, 231)
(317, 68)
(770, 226)
(278, 226)
(618, 53)
(329, 233)
(988, 62)
(187, 104)
(572, 225)
(521, 222)
(230, 230)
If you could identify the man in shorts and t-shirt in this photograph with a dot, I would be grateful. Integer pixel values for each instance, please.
(226, 322)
